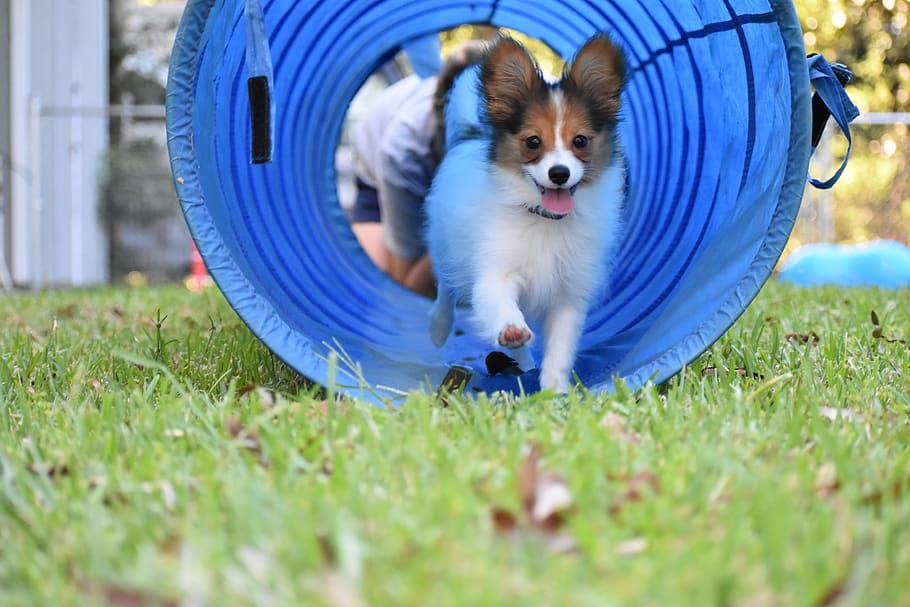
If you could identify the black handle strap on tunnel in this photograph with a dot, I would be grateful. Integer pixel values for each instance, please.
(260, 119)
(820, 111)
(830, 100)
(454, 382)
(259, 84)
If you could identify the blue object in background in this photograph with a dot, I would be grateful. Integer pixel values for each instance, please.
(716, 127)
(880, 263)
(424, 55)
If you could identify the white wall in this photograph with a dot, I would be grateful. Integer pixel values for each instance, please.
(58, 92)
(5, 169)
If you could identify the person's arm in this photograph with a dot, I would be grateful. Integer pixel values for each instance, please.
(402, 223)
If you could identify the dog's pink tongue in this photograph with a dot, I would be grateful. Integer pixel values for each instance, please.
(557, 201)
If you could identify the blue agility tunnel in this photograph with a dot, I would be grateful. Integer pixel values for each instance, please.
(717, 127)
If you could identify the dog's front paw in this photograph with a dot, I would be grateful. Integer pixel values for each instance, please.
(515, 336)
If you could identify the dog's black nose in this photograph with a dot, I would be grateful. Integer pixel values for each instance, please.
(559, 174)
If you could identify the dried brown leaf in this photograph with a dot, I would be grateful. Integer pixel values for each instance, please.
(561, 543)
(552, 498)
(115, 595)
(527, 480)
(322, 408)
(739, 371)
(640, 484)
(249, 437)
(833, 595)
(897, 490)
(826, 482)
(617, 425)
(803, 338)
(546, 502)
(845, 414)
(878, 332)
(246, 389)
(632, 547)
(503, 520)
(51, 471)
(266, 397)
(338, 591)
(327, 550)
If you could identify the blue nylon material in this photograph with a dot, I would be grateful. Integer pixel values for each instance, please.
(715, 126)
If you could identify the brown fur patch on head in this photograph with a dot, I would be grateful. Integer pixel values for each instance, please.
(595, 146)
(595, 78)
(539, 120)
(510, 79)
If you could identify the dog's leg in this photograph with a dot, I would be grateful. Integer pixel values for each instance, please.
(562, 330)
(495, 303)
(442, 314)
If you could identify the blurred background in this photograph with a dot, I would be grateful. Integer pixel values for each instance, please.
(86, 195)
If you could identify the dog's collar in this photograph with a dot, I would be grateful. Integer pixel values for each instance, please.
(542, 212)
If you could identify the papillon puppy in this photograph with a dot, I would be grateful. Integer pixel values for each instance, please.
(523, 217)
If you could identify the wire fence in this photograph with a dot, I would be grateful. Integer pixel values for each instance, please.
(872, 199)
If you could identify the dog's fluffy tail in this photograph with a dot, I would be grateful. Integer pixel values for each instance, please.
(460, 59)
(463, 109)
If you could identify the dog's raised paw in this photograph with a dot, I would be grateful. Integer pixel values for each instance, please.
(514, 336)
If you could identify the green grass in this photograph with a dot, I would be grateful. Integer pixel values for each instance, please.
(138, 467)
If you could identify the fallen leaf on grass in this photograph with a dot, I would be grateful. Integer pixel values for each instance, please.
(321, 409)
(114, 595)
(617, 425)
(631, 547)
(545, 497)
(833, 595)
(266, 396)
(764, 598)
(249, 438)
(638, 485)
(845, 414)
(337, 589)
(545, 501)
(51, 471)
(739, 372)
(338, 592)
(503, 520)
(802, 338)
(897, 490)
(826, 482)
(877, 332)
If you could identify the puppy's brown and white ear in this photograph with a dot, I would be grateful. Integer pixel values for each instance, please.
(597, 76)
(509, 77)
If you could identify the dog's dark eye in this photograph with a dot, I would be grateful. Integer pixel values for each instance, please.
(533, 142)
(580, 142)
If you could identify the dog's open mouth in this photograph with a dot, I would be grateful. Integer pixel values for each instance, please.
(558, 201)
